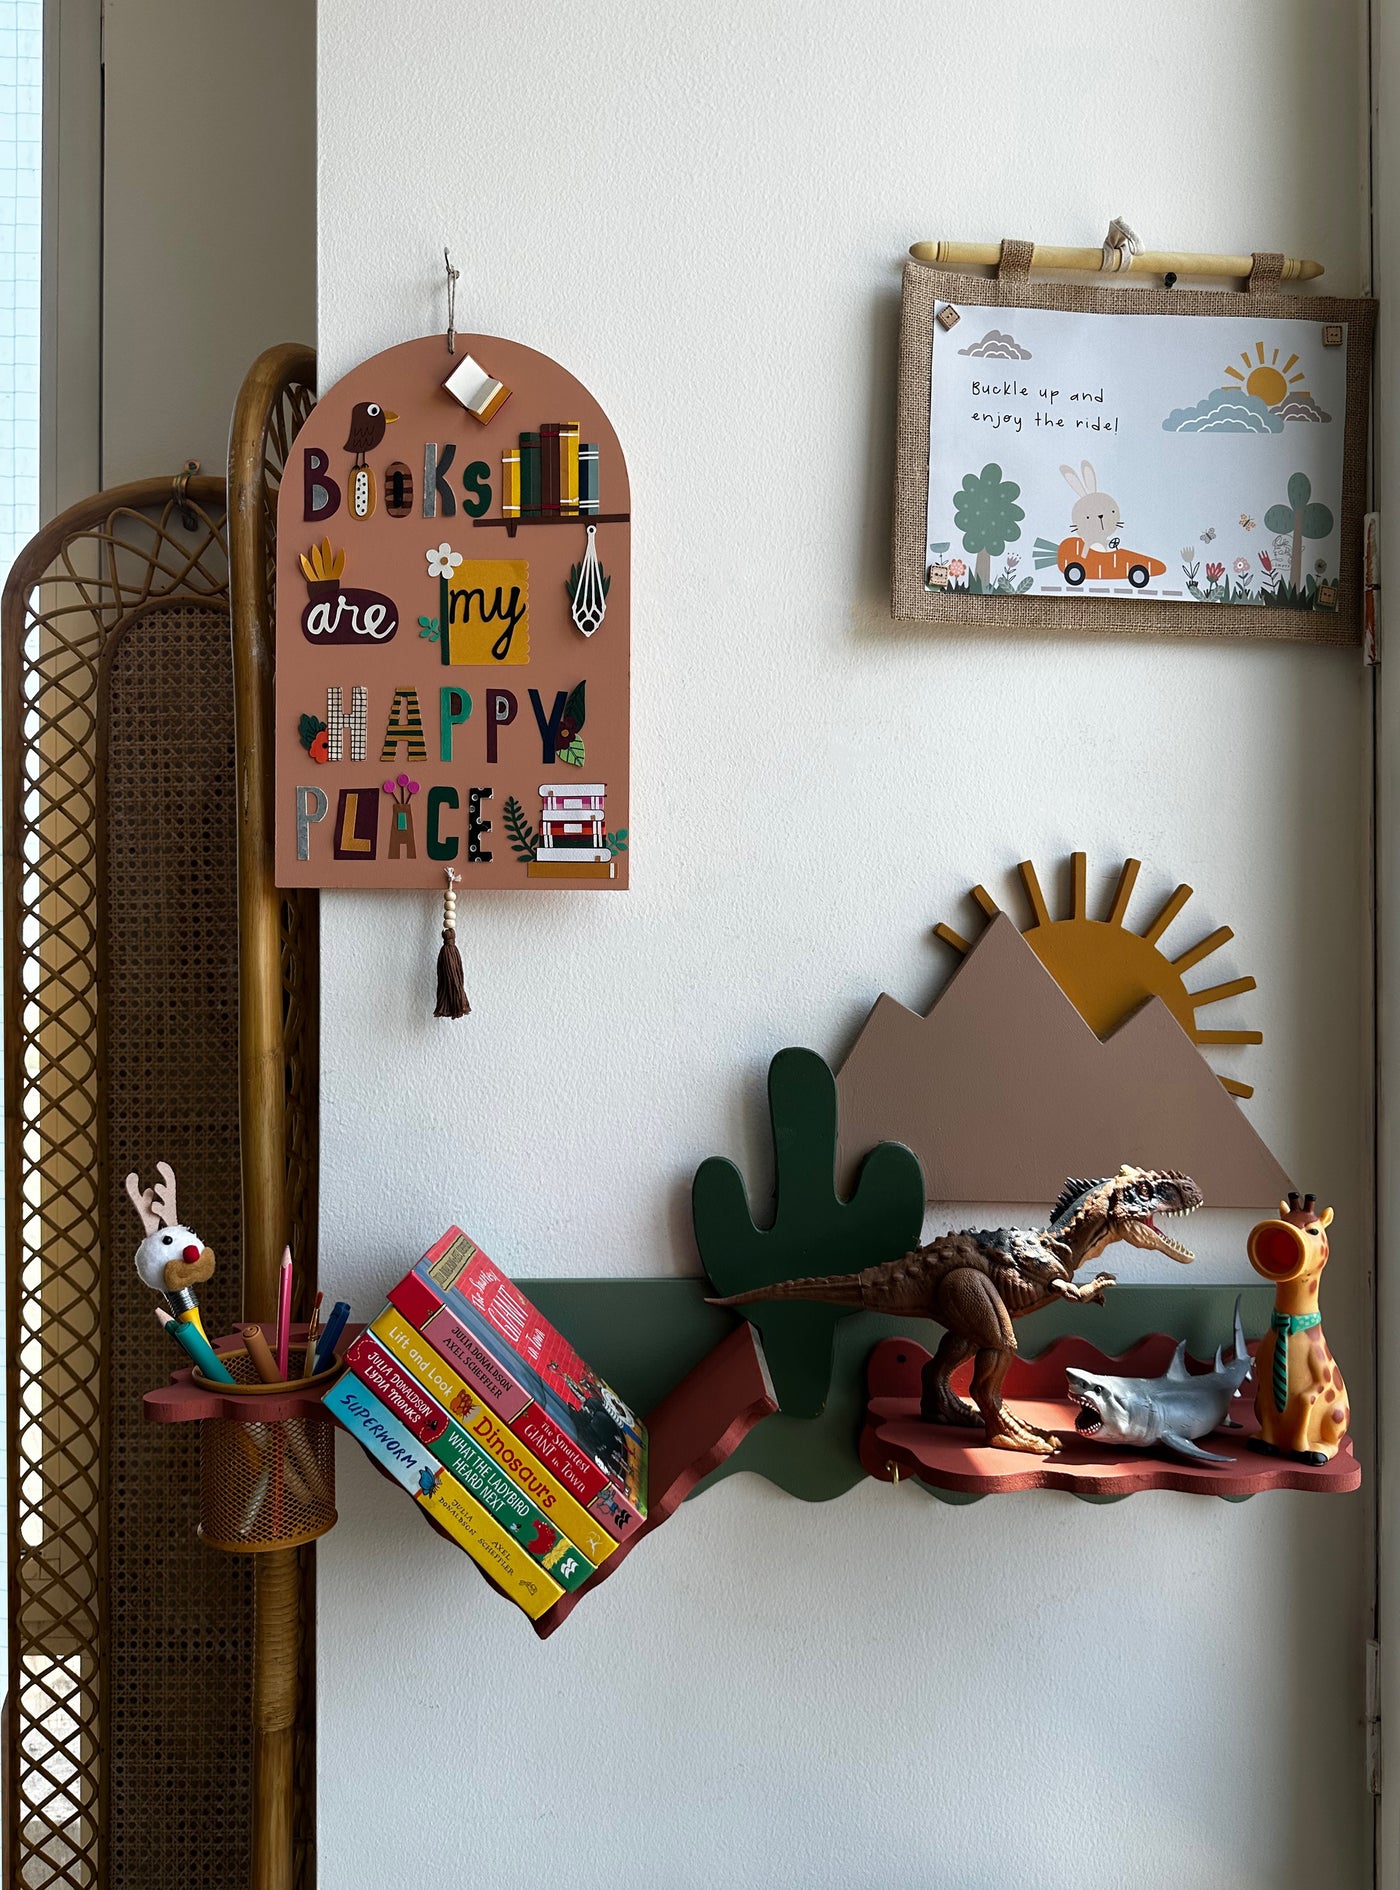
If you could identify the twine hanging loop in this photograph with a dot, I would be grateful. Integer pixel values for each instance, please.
(1120, 245)
(452, 275)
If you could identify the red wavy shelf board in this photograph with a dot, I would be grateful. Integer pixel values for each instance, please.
(952, 1459)
(693, 1430)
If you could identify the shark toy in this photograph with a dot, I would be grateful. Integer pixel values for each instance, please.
(1174, 1409)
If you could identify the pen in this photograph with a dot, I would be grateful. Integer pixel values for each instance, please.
(264, 1364)
(330, 1338)
(308, 1360)
(200, 1351)
(284, 1314)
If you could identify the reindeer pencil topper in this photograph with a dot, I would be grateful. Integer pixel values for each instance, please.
(172, 1259)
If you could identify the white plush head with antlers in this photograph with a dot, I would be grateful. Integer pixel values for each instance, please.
(172, 1258)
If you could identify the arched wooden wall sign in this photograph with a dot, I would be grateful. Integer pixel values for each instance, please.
(453, 627)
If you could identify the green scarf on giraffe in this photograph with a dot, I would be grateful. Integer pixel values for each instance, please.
(1285, 1325)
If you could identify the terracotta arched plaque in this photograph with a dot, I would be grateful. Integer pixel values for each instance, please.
(453, 627)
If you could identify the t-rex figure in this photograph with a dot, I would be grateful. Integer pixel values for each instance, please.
(976, 1282)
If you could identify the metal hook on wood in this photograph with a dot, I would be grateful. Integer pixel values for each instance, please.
(181, 483)
(452, 275)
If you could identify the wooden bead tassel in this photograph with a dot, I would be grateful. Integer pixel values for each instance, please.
(451, 985)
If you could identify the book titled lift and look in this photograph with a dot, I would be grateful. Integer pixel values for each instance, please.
(471, 1400)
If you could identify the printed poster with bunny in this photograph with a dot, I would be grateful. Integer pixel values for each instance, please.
(453, 636)
(1136, 455)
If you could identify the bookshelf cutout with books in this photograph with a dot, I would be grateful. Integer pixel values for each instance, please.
(466, 1396)
(550, 477)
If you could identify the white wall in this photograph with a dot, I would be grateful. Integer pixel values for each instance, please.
(879, 1692)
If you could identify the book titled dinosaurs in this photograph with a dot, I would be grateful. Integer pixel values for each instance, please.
(401, 1367)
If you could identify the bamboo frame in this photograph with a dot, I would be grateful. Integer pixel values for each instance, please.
(275, 397)
(1112, 262)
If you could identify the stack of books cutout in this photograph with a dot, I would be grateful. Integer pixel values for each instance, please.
(469, 1398)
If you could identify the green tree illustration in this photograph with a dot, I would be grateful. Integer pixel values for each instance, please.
(1304, 516)
(986, 513)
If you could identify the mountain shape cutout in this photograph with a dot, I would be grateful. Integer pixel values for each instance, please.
(1003, 1091)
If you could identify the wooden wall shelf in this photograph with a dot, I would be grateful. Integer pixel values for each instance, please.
(894, 1440)
(643, 1335)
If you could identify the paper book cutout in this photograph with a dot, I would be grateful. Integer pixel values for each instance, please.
(482, 396)
(1003, 1089)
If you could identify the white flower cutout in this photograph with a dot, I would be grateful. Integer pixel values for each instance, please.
(442, 561)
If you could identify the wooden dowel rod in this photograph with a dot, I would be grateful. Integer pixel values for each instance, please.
(1148, 262)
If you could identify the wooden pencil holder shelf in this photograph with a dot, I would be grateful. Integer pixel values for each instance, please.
(266, 1453)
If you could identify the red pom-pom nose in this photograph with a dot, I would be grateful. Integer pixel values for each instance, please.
(192, 1254)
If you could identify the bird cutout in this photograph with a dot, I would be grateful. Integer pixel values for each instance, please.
(172, 1260)
(588, 587)
(368, 424)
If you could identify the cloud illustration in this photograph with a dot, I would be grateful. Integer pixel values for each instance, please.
(996, 346)
(1225, 411)
(1300, 407)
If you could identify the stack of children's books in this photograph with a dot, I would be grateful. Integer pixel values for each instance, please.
(468, 1397)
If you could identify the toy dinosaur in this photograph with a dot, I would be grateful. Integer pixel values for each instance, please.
(976, 1282)
(1299, 1397)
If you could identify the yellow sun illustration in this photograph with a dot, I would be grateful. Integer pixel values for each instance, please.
(1107, 971)
(1266, 380)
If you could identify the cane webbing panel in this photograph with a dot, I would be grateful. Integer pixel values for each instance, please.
(180, 1630)
(87, 581)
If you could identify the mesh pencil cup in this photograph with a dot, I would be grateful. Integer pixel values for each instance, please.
(266, 1454)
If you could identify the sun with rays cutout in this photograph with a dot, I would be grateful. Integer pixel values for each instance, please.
(1106, 970)
(1265, 379)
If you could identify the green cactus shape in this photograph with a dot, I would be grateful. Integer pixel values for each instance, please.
(813, 1230)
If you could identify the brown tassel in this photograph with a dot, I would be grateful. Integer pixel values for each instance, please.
(451, 984)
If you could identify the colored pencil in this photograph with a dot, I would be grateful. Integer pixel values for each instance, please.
(284, 1313)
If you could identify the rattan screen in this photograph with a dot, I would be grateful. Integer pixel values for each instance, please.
(127, 1739)
(127, 1748)
(180, 1629)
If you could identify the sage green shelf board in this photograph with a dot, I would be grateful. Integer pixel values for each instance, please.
(643, 1336)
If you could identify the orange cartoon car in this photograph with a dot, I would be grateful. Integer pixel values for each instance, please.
(1083, 563)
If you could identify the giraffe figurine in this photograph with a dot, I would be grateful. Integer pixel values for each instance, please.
(1300, 1400)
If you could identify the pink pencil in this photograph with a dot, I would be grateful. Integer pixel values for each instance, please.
(284, 1312)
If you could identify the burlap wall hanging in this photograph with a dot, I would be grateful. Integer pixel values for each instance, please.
(1153, 460)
